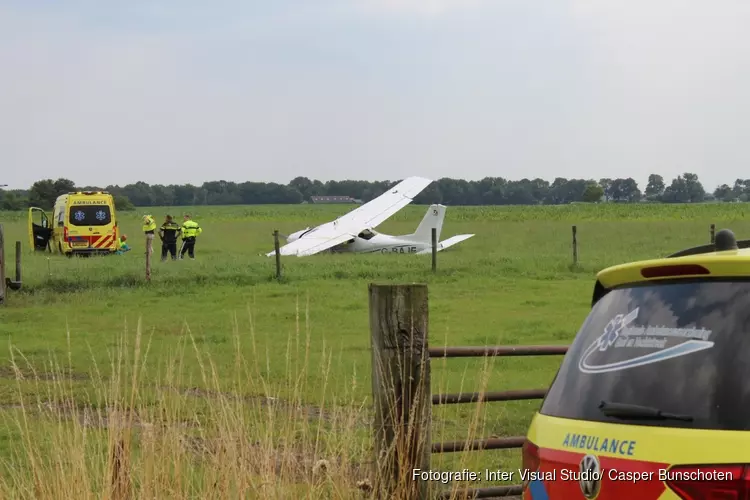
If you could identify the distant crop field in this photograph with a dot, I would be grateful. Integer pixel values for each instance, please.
(217, 380)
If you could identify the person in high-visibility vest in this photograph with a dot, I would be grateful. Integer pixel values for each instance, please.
(149, 225)
(122, 247)
(149, 229)
(189, 231)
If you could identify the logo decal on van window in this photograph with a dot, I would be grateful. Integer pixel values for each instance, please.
(620, 337)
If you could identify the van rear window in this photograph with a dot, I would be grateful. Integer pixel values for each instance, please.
(90, 215)
(680, 347)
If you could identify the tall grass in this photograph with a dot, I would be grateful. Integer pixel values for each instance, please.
(151, 440)
(268, 406)
(175, 437)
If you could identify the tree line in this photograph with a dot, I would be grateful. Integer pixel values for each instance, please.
(685, 188)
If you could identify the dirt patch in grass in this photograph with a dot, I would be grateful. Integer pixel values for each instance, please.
(312, 412)
(294, 461)
(8, 372)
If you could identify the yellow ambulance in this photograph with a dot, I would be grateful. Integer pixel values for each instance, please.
(652, 400)
(83, 223)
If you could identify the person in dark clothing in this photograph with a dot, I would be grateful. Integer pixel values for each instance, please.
(168, 233)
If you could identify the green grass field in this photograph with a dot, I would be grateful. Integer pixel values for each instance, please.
(220, 381)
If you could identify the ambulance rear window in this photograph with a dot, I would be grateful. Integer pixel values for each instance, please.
(90, 215)
(680, 347)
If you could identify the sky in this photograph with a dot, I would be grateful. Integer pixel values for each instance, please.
(186, 92)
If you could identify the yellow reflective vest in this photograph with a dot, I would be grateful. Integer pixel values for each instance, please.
(190, 229)
(149, 225)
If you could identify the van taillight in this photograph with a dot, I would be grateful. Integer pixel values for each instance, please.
(530, 458)
(65, 234)
(710, 482)
(673, 270)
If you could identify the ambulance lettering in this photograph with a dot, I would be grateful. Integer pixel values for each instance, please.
(594, 443)
(621, 340)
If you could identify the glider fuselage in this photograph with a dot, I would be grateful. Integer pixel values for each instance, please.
(369, 241)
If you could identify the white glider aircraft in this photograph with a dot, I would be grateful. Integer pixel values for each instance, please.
(354, 232)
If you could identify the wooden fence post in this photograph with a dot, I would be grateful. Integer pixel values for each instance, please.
(2, 265)
(401, 391)
(149, 251)
(434, 249)
(278, 253)
(575, 247)
(712, 233)
(18, 262)
(15, 284)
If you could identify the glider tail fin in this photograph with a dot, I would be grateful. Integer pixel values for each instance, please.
(433, 218)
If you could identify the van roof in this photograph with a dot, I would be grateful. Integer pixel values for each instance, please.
(723, 263)
(88, 192)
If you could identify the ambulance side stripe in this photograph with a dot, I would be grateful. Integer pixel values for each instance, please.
(536, 488)
(104, 241)
(619, 478)
(661, 444)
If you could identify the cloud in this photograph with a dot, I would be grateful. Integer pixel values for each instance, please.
(669, 88)
(427, 8)
(373, 90)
